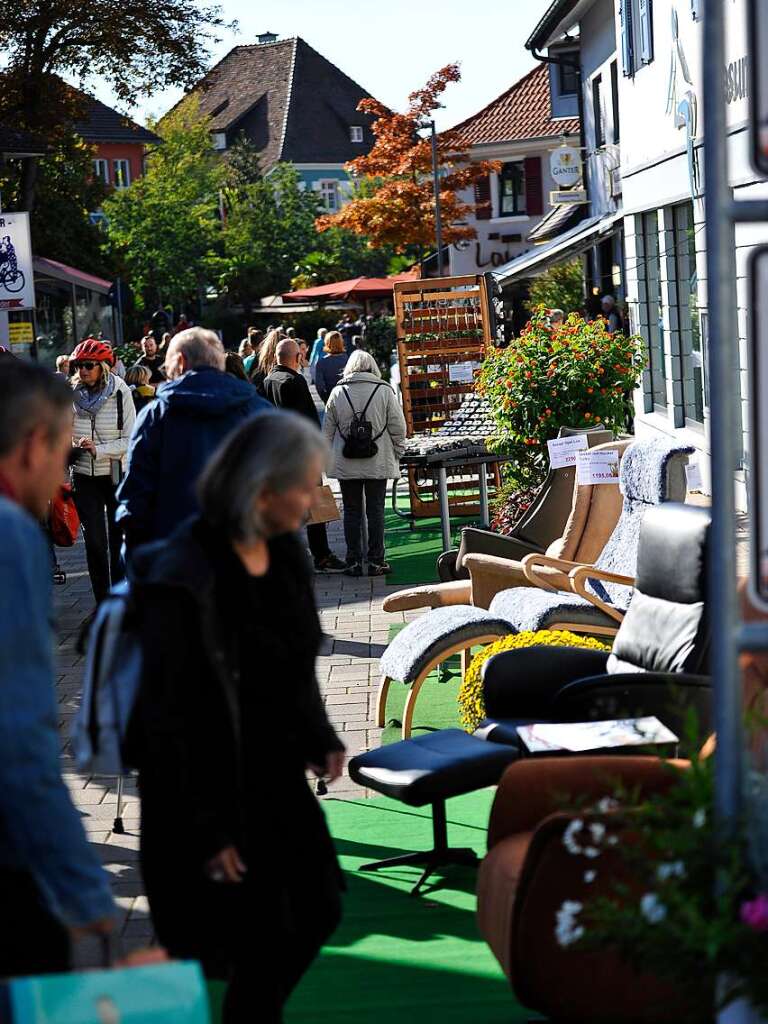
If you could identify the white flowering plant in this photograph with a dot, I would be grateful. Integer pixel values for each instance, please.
(674, 894)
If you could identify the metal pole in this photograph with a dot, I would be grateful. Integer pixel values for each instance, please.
(725, 429)
(438, 214)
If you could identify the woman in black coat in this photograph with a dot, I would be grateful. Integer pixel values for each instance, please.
(239, 868)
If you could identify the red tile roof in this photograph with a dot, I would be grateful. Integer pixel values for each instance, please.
(522, 112)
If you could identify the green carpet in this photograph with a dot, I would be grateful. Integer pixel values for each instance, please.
(396, 959)
(412, 553)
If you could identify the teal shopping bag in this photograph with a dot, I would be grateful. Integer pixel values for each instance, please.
(170, 993)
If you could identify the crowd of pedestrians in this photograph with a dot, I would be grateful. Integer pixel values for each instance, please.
(194, 476)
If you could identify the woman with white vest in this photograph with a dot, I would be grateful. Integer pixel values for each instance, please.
(104, 418)
(366, 429)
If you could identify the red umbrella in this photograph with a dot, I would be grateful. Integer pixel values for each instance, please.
(356, 288)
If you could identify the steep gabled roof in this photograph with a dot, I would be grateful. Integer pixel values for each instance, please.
(101, 123)
(524, 111)
(292, 102)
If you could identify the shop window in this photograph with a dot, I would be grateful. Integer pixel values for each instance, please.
(101, 170)
(121, 173)
(329, 194)
(652, 309)
(512, 190)
(688, 315)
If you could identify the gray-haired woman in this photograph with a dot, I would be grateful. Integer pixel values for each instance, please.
(239, 867)
(362, 393)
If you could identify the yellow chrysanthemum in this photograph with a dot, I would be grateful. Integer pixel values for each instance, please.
(471, 705)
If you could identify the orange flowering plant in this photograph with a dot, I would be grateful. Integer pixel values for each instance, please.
(552, 375)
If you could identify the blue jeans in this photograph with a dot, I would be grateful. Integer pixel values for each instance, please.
(375, 495)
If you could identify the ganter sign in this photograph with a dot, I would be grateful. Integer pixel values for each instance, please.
(565, 165)
(17, 287)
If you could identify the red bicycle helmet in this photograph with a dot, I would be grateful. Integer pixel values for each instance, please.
(93, 349)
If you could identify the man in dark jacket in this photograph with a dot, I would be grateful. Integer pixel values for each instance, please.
(174, 436)
(286, 388)
(151, 359)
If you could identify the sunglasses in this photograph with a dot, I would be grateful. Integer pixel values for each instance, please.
(83, 366)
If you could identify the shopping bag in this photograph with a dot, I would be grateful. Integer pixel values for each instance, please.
(323, 508)
(169, 993)
(63, 519)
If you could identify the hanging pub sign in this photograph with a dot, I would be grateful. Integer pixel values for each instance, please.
(754, 78)
(757, 373)
(565, 166)
(566, 196)
(17, 286)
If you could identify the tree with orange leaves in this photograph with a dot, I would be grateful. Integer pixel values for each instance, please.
(393, 201)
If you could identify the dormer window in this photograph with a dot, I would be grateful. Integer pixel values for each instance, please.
(356, 133)
(219, 140)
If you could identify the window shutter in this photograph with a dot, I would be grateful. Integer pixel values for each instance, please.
(534, 203)
(483, 198)
(625, 22)
(645, 10)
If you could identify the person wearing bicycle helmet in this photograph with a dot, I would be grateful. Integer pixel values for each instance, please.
(104, 417)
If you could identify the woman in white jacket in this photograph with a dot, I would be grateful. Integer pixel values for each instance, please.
(104, 418)
(361, 395)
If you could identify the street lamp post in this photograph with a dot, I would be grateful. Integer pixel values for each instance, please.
(436, 187)
(438, 214)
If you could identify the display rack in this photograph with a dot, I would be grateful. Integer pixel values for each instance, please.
(443, 328)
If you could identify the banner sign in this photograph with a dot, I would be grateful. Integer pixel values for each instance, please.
(597, 467)
(17, 285)
(563, 450)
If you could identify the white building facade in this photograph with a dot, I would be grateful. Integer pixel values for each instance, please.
(660, 103)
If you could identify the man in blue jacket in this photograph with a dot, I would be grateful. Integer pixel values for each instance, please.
(175, 434)
(52, 886)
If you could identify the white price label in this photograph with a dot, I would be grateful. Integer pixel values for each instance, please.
(563, 450)
(597, 467)
(693, 476)
(460, 373)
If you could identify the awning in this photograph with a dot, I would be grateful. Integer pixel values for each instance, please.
(355, 288)
(556, 221)
(62, 272)
(568, 244)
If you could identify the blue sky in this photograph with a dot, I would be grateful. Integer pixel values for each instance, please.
(390, 47)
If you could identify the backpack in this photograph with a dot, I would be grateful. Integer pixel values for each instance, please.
(359, 442)
(63, 520)
(113, 670)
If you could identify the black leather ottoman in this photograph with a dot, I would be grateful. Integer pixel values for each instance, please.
(428, 770)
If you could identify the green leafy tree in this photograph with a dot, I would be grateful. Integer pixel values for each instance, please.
(560, 287)
(269, 227)
(138, 48)
(166, 226)
(67, 192)
(340, 254)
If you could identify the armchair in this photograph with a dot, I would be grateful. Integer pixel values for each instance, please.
(659, 661)
(554, 522)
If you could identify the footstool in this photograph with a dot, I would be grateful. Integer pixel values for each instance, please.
(427, 642)
(428, 770)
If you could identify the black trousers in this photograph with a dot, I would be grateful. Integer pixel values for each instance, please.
(32, 941)
(96, 505)
(375, 496)
(317, 536)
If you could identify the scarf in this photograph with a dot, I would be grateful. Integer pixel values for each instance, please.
(89, 401)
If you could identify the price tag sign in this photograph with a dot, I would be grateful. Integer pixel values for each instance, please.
(693, 476)
(460, 373)
(563, 450)
(597, 467)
